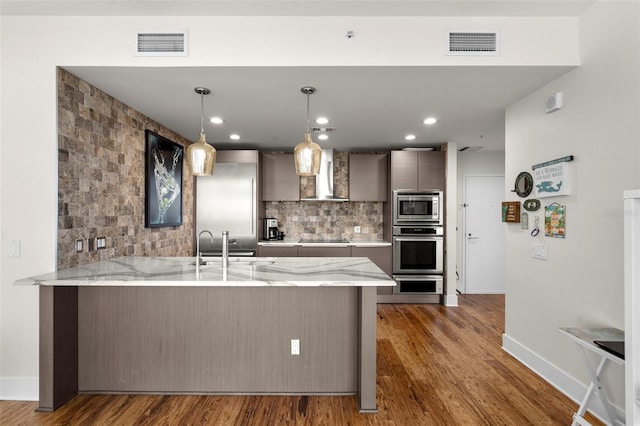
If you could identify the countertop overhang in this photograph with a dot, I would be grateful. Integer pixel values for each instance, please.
(242, 272)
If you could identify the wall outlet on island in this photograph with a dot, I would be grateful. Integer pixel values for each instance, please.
(295, 346)
(357, 229)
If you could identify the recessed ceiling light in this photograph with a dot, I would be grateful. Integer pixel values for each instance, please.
(216, 120)
(410, 137)
(234, 136)
(429, 121)
(323, 137)
(322, 120)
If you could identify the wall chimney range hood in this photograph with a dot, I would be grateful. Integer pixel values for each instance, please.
(324, 179)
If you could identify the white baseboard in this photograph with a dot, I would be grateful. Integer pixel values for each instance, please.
(566, 384)
(450, 300)
(19, 388)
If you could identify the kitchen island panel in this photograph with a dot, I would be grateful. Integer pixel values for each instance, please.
(219, 340)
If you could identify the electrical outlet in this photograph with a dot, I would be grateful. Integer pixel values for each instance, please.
(357, 229)
(539, 251)
(101, 242)
(295, 346)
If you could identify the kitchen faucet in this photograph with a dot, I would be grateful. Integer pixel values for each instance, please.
(198, 255)
(225, 248)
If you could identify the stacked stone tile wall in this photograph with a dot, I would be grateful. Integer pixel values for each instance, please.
(101, 182)
(327, 219)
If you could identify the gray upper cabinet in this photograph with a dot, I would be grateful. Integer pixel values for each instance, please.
(279, 179)
(417, 170)
(237, 156)
(368, 176)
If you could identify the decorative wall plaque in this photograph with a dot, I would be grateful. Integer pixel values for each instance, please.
(511, 211)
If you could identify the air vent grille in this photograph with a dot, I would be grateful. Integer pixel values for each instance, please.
(173, 43)
(323, 129)
(473, 43)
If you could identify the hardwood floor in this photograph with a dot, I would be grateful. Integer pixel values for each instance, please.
(436, 366)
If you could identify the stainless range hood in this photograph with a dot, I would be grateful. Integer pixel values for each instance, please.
(324, 179)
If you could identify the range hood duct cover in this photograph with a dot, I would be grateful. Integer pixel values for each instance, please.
(324, 179)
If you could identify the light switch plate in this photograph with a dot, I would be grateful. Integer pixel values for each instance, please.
(539, 251)
(14, 248)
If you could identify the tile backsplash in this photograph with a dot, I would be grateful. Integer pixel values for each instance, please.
(326, 219)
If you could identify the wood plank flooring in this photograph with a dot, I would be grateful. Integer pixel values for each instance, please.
(436, 366)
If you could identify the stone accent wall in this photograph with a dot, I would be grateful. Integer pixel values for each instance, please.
(101, 183)
(327, 219)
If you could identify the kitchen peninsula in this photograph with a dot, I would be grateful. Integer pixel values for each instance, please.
(158, 325)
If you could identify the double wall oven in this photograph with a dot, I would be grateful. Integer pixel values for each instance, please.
(418, 242)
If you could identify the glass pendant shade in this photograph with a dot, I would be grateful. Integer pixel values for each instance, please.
(307, 155)
(201, 157)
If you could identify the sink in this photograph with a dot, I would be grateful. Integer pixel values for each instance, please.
(239, 261)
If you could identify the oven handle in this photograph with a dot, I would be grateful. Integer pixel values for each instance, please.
(419, 238)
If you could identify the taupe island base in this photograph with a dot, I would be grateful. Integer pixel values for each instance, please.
(160, 326)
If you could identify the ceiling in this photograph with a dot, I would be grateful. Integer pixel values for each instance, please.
(370, 108)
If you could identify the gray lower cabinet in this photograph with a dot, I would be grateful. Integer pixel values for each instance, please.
(277, 251)
(306, 251)
(381, 256)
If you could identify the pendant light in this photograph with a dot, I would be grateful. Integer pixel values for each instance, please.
(307, 153)
(201, 157)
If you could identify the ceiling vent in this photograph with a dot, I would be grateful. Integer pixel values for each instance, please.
(473, 43)
(173, 43)
(323, 129)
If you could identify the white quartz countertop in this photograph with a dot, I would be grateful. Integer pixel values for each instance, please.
(295, 243)
(242, 272)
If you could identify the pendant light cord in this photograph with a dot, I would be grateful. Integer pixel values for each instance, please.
(201, 112)
(308, 112)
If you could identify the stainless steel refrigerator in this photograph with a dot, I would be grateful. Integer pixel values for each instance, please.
(227, 201)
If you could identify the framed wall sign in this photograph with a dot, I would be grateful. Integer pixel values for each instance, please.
(555, 221)
(511, 211)
(163, 181)
(552, 178)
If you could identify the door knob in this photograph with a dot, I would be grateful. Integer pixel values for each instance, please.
(472, 238)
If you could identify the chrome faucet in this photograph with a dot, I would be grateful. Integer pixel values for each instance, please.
(225, 248)
(198, 254)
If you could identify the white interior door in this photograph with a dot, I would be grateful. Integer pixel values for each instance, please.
(484, 234)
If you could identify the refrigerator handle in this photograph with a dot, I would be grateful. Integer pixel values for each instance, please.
(253, 206)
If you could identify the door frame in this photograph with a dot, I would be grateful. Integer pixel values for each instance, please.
(463, 269)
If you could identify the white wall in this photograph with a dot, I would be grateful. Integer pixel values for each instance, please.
(581, 284)
(480, 163)
(32, 47)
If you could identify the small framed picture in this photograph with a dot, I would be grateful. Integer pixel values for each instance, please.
(554, 221)
(163, 181)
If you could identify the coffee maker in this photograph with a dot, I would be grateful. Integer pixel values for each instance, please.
(270, 229)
